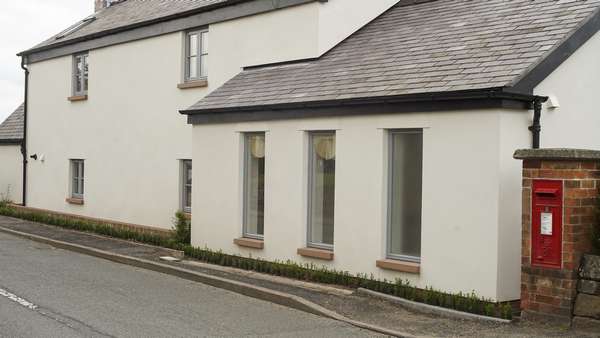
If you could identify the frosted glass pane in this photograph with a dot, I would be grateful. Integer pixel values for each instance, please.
(203, 66)
(204, 43)
(193, 67)
(405, 197)
(255, 184)
(193, 45)
(322, 188)
(75, 186)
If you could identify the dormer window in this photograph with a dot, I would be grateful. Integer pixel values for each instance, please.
(196, 55)
(80, 75)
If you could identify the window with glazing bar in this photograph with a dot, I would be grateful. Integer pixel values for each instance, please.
(80, 74)
(254, 185)
(196, 55)
(186, 186)
(77, 178)
(405, 194)
(321, 189)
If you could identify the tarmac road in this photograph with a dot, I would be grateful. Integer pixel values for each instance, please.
(48, 292)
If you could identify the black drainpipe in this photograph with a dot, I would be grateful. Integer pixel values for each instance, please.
(536, 127)
(24, 141)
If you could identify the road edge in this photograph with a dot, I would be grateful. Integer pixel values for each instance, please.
(277, 297)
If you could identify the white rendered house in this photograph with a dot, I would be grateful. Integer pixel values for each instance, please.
(11, 159)
(104, 95)
(392, 153)
(371, 137)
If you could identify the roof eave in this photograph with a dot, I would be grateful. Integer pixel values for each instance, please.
(436, 101)
(138, 25)
(132, 26)
(11, 141)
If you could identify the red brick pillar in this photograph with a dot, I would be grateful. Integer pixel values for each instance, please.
(549, 290)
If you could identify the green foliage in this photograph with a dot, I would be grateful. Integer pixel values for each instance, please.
(88, 226)
(306, 272)
(182, 228)
(596, 230)
(5, 200)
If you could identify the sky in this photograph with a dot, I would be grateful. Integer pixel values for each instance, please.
(23, 24)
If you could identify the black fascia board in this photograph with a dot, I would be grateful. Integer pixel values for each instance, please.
(426, 102)
(558, 55)
(10, 141)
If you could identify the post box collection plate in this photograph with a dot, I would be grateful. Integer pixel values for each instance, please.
(546, 223)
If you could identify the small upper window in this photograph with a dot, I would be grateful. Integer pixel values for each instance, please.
(77, 177)
(186, 186)
(196, 55)
(80, 74)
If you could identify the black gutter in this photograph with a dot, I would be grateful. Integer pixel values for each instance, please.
(499, 93)
(24, 141)
(11, 142)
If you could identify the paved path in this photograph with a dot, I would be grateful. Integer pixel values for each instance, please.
(48, 292)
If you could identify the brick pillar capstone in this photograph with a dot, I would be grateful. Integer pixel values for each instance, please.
(549, 292)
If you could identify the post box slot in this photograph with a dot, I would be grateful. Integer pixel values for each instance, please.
(546, 192)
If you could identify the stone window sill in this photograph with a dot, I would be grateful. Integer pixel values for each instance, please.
(250, 243)
(326, 255)
(77, 98)
(75, 201)
(193, 84)
(400, 266)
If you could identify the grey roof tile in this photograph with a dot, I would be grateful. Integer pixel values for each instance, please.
(442, 45)
(132, 12)
(12, 128)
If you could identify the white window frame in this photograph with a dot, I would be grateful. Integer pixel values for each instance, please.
(77, 182)
(183, 186)
(309, 242)
(77, 78)
(245, 232)
(201, 58)
(390, 180)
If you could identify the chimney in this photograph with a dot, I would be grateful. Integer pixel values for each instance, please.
(99, 5)
(102, 4)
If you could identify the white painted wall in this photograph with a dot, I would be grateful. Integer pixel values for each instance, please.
(11, 172)
(283, 35)
(460, 194)
(513, 135)
(576, 85)
(338, 19)
(129, 131)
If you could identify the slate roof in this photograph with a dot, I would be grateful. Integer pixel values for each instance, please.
(11, 130)
(132, 12)
(437, 46)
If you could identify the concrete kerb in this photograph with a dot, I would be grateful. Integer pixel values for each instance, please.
(245, 289)
(431, 309)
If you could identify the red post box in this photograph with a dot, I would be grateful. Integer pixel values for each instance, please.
(546, 223)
